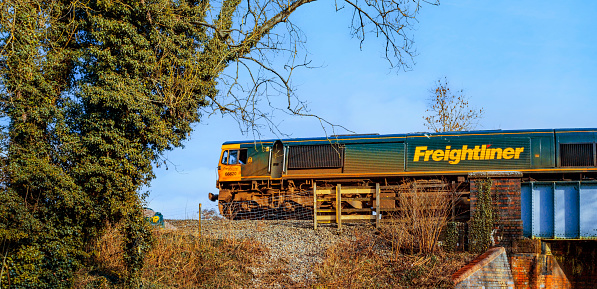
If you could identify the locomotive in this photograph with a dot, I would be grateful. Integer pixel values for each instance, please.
(256, 175)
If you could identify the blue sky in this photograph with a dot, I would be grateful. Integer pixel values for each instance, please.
(528, 64)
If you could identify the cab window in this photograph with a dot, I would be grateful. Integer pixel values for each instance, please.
(233, 157)
(225, 158)
(242, 156)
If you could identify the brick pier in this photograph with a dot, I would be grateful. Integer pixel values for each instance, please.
(505, 190)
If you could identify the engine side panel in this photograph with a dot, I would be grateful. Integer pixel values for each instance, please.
(468, 153)
(374, 158)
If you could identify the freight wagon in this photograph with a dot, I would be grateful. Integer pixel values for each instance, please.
(256, 175)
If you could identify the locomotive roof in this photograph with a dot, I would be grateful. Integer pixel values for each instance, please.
(403, 136)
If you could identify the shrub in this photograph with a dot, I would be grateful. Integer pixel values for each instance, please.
(424, 212)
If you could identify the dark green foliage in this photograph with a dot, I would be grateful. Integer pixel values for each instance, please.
(93, 93)
(483, 219)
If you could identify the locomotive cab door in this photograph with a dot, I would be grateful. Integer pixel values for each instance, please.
(277, 160)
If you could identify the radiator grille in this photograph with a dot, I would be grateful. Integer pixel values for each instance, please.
(577, 155)
(315, 156)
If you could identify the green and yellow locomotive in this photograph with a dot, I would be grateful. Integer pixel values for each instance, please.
(252, 173)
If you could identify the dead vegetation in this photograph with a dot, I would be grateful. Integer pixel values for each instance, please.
(179, 259)
(183, 259)
(404, 253)
(424, 213)
(362, 264)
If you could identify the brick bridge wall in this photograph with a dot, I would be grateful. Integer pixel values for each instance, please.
(520, 263)
(505, 190)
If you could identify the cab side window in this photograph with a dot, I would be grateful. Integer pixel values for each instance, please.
(225, 158)
(242, 156)
(233, 157)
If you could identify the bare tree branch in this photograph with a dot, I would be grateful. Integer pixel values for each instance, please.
(253, 33)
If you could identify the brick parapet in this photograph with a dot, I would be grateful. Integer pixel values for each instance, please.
(489, 270)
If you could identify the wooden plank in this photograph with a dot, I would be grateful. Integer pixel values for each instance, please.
(314, 206)
(362, 221)
(346, 210)
(326, 191)
(357, 191)
(347, 191)
(357, 210)
(339, 205)
(377, 204)
(323, 218)
(326, 211)
(362, 198)
(329, 218)
(358, 199)
(346, 199)
(358, 217)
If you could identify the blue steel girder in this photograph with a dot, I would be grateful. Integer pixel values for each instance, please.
(559, 210)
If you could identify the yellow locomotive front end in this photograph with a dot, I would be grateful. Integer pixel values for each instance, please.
(231, 160)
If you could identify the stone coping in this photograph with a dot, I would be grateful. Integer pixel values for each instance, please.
(477, 264)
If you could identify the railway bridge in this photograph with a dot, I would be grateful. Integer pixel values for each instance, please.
(548, 230)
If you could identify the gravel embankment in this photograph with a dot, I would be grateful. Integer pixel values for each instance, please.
(293, 242)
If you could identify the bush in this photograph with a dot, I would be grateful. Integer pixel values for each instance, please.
(451, 237)
(424, 212)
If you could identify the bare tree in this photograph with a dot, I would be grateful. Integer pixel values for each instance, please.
(447, 111)
(260, 29)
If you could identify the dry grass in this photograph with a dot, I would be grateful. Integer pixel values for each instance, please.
(180, 259)
(185, 261)
(177, 260)
(361, 264)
